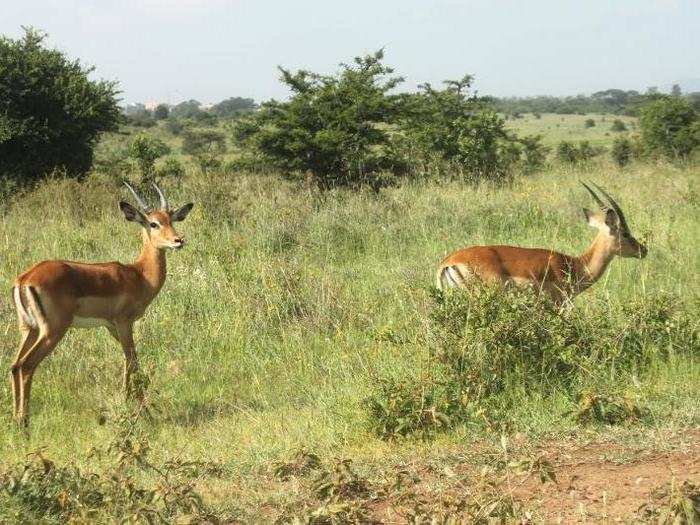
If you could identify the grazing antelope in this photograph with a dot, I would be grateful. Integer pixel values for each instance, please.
(54, 295)
(560, 276)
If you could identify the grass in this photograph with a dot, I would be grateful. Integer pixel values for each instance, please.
(555, 128)
(286, 306)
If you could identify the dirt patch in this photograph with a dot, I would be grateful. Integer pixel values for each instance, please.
(591, 486)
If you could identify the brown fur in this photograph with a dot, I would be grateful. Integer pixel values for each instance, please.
(558, 275)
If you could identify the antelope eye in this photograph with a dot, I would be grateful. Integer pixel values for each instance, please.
(154, 225)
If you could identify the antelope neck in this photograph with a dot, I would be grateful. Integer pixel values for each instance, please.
(151, 263)
(595, 259)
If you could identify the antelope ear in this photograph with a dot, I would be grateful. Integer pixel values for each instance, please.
(595, 220)
(589, 215)
(131, 213)
(612, 220)
(181, 213)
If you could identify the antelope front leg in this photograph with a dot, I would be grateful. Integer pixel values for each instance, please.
(125, 333)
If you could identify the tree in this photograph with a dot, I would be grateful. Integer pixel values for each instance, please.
(51, 113)
(205, 145)
(676, 90)
(161, 112)
(589, 123)
(146, 150)
(332, 126)
(234, 106)
(187, 109)
(670, 127)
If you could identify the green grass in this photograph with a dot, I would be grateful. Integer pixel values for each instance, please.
(556, 128)
(287, 304)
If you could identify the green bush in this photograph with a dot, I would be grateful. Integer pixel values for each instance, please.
(488, 342)
(206, 146)
(621, 151)
(590, 123)
(171, 167)
(332, 126)
(51, 113)
(568, 152)
(618, 126)
(670, 127)
(146, 150)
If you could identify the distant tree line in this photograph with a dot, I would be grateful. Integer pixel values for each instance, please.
(137, 114)
(609, 101)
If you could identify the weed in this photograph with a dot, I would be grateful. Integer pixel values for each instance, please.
(673, 504)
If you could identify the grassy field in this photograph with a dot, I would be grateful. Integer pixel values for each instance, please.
(287, 305)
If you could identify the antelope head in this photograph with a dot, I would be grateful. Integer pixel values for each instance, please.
(611, 223)
(157, 223)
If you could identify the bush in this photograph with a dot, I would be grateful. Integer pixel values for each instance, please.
(331, 126)
(618, 126)
(570, 153)
(206, 146)
(171, 167)
(589, 123)
(670, 127)
(621, 151)
(174, 125)
(146, 150)
(488, 342)
(49, 108)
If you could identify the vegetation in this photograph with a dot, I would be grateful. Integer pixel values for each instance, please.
(670, 127)
(146, 150)
(289, 309)
(621, 151)
(51, 108)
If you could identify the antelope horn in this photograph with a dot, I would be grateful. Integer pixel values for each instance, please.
(614, 205)
(144, 207)
(161, 195)
(595, 197)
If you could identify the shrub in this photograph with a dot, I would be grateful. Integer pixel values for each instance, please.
(618, 126)
(174, 125)
(146, 150)
(488, 342)
(589, 123)
(331, 125)
(621, 151)
(171, 167)
(50, 108)
(670, 127)
(568, 152)
(206, 146)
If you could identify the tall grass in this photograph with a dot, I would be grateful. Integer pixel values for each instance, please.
(286, 305)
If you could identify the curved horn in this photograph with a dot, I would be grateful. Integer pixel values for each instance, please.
(145, 207)
(161, 195)
(595, 197)
(615, 205)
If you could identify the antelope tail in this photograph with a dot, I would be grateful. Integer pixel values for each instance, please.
(32, 312)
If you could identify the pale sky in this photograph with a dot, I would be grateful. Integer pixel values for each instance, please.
(170, 50)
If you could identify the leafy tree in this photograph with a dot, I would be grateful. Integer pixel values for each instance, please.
(464, 130)
(51, 113)
(676, 90)
(186, 109)
(571, 153)
(332, 126)
(621, 151)
(233, 106)
(146, 150)
(670, 127)
(589, 123)
(205, 145)
(174, 125)
(161, 112)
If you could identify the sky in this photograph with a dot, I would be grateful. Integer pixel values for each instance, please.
(209, 50)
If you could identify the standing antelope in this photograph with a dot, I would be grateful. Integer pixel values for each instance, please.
(560, 276)
(54, 295)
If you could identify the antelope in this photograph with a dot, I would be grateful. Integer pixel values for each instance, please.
(561, 277)
(54, 295)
